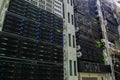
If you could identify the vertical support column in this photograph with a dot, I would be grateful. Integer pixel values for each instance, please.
(70, 56)
(3, 8)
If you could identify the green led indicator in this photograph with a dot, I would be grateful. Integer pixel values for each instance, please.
(99, 44)
(95, 21)
(58, 30)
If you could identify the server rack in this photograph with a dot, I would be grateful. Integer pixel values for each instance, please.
(112, 33)
(89, 37)
(31, 43)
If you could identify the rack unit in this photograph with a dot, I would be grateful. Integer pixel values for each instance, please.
(31, 43)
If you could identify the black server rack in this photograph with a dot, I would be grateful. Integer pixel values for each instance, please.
(88, 37)
(112, 32)
(31, 43)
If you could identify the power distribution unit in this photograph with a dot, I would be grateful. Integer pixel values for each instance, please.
(31, 43)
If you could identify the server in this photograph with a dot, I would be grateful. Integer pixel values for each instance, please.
(31, 42)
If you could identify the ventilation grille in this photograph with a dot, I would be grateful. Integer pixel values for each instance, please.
(89, 78)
